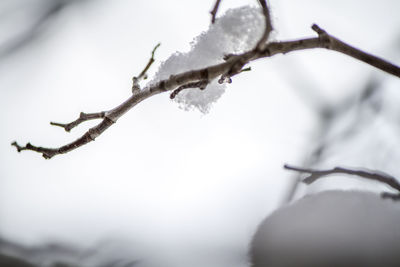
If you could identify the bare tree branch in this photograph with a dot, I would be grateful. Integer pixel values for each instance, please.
(367, 174)
(232, 66)
(82, 118)
(143, 74)
(214, 11)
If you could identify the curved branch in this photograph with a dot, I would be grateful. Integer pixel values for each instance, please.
(379, 176)
(200, 84)
(339, 46)
(232, 66)
(268, 25)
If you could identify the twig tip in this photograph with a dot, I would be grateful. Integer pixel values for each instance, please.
(317, 29)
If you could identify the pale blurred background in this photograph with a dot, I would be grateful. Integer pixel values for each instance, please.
(167, 186)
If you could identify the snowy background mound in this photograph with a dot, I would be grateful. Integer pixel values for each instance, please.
(236, 31)
(333, 228)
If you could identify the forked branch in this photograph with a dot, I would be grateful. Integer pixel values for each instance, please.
(82, 118)
(233, 65)
(314, 175)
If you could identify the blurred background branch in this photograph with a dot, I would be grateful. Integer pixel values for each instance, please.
(33, 17)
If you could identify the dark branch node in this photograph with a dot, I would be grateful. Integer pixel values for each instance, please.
(213, 12)
(162, 85)
(204, 74)
(18, 147)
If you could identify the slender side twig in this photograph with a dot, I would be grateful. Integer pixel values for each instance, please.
(143, 74)
(268, 25)
(382, 177)
(82, 118)
(200, 84)
(214, 11)
(233, 65)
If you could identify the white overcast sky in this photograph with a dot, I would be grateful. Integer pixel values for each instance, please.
(163, 178)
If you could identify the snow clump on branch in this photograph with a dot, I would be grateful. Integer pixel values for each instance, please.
(238, 30)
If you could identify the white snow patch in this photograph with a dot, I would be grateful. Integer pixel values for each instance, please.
(236, 31)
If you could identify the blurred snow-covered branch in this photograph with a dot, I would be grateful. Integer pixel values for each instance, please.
(379, 176)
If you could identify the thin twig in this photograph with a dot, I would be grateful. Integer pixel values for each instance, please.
(233, 65)
(314, 175)
(46, 152)
(268, 25)
(339, 46)
(82, 118)
(214, 11)
(151, 60)
(200, 84)
(143, 74)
